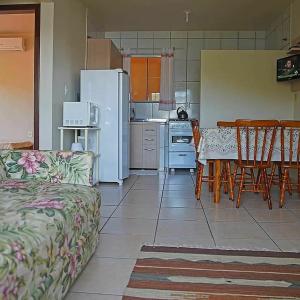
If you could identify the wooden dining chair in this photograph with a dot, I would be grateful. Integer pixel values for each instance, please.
(229, 124)
(210, 179)
(255, 141)
(290, 156)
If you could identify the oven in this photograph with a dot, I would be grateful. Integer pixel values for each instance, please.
(181, 145)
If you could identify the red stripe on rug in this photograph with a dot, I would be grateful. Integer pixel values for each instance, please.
(219, 252)
(219, 288)
(177, 263)
(217, 274)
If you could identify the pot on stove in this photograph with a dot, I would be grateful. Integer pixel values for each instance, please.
(182, 114)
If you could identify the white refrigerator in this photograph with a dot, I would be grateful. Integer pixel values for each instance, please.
(110, 90)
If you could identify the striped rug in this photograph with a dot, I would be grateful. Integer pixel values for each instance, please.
(190, 273)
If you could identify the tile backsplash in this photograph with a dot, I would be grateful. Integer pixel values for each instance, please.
(188, 45)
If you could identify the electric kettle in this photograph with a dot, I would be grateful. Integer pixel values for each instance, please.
(182, 114)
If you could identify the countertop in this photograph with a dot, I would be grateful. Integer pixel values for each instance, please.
(138, 121)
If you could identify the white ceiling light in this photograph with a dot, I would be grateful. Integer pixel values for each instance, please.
(187, 15)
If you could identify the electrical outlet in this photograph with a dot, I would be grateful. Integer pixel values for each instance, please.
(29, 134)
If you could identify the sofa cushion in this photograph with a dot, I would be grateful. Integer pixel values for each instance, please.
(2, 171)
(51, 166)
(48, 233)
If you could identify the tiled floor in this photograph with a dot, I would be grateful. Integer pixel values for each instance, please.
(161, 210)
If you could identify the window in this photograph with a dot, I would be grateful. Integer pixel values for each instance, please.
(145, 79)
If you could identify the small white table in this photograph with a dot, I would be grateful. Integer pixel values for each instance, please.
(86, 131)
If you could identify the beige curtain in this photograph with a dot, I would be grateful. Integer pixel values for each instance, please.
(167, 95)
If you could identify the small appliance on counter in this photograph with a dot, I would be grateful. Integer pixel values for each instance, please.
(80, 114)
(182, 114)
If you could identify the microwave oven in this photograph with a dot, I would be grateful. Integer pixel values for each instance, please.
(80, 114)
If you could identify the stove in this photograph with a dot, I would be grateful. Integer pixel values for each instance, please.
(181, 145)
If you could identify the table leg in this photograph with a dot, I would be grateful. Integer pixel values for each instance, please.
(217, 185)
(211, 176)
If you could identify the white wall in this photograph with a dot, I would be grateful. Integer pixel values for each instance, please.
(68, 58)
(242, 85)
(188, 45)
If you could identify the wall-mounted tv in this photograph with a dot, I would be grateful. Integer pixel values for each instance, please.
(288, 68)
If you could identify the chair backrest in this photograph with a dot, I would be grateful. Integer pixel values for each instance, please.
(290, 142)
(226, 124)
(255, 140)
(196, 133)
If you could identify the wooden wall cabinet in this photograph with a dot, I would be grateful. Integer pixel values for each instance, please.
(144, 145)
(145, 78)
(102, 54)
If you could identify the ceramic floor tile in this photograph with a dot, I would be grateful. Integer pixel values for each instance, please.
(122, 246)
(179, 187)
(104, 276)
(130, 226)
(237, 230)
(278, 231)
(246, 244)
(136, 211)
(184, 241)
(274, 215)
(141, 201)
(107, 210)
(208, 202)
(292, 204)
(288, 245)
(150, 180)
(180, 202)
(178, 179)
(228, 214)
(102, 222)
(85, 296)
(111, 197)
(154, 187)
(181, 213)
(179, 194)
(144, 194)
(189, 229)
(296, 212)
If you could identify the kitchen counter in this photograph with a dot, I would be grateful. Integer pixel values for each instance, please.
(161, 121)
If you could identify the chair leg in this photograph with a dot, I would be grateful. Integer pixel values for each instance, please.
(235, 168)
(267, 188)
(283, 187)
(197, 180)
(211, 177)
(224, 178)
(230, 181)
(289, 185)
(258, 180)
(299, 181)
(272, 175)
(240, 188)
(199, 183)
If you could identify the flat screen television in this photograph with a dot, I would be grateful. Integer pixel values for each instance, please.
(288, 68)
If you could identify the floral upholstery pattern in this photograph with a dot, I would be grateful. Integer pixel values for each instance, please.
(2, 171)
(52, 166)
(48, 232)
(48, 229)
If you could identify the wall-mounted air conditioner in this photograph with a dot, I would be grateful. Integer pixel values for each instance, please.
(12, 44)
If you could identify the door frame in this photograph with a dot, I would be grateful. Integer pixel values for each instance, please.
(36, 9)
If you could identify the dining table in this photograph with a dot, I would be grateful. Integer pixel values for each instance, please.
(220, 144)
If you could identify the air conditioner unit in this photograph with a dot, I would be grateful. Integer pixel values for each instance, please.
(12, 44)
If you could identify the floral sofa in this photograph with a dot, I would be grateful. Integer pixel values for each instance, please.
(49, 222)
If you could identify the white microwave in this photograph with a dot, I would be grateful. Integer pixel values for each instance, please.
(80, 114)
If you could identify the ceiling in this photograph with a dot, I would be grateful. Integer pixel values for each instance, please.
(127, 15)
